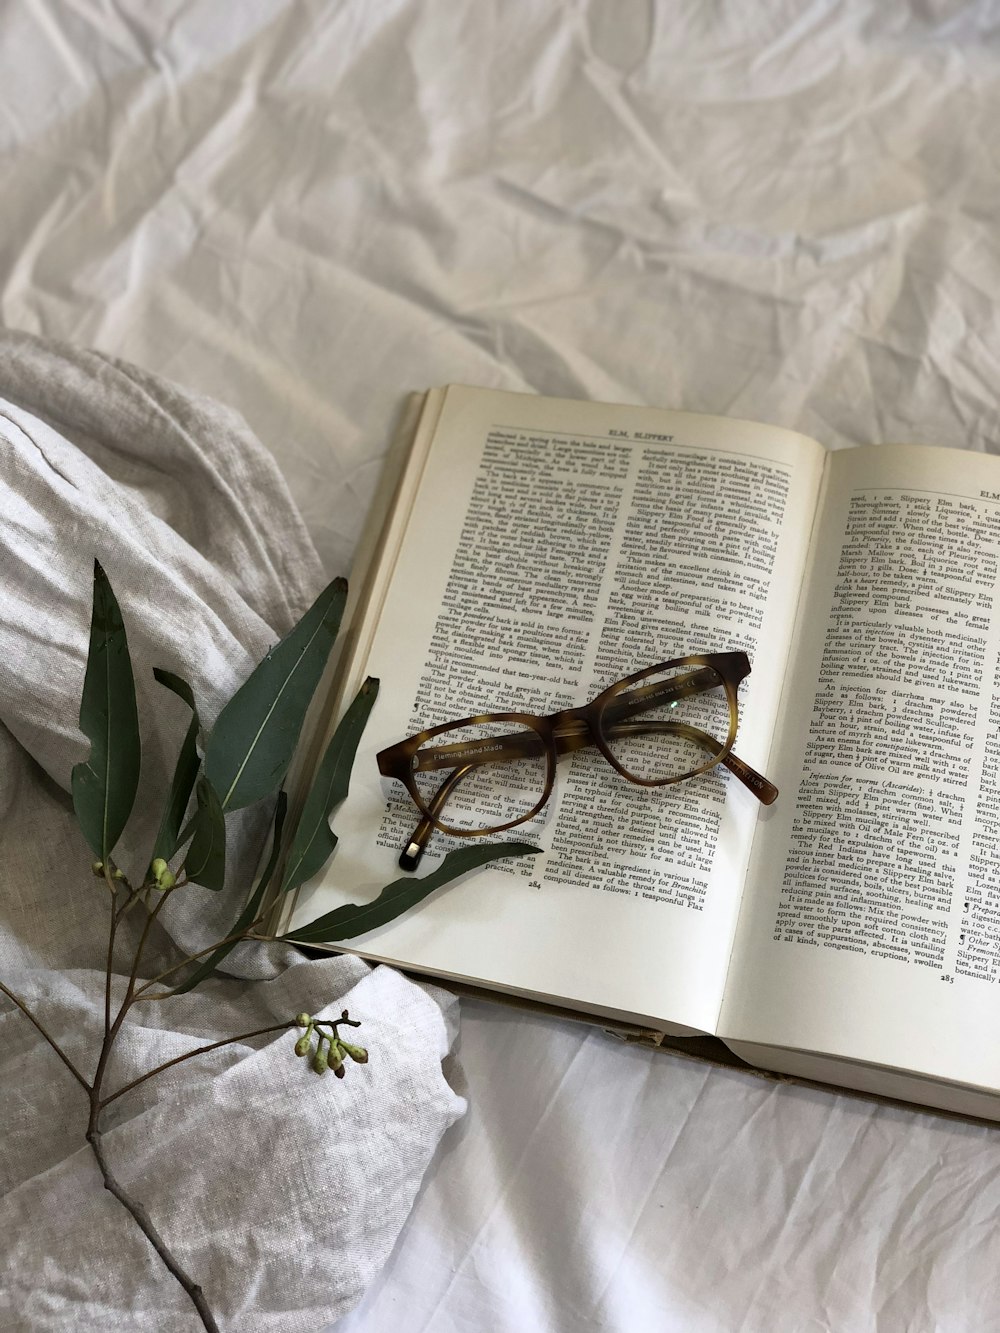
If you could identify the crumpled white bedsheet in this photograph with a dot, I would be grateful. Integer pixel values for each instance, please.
(280, 1193)
(784, 211)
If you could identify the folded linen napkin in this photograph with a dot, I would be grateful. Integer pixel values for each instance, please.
(280, 1192)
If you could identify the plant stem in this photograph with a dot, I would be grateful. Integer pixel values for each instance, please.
(112, 931)
(51, 1040)
(151, 917)
(145, 1222)
(200, 1050)
(117, 916)
(193, 958)
(94, 1136)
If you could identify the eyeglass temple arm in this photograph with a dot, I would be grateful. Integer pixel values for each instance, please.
(409, 857)
(765, 791)
(652, 696)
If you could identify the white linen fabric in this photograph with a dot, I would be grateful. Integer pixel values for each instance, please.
(281, 1193)
(785, 211)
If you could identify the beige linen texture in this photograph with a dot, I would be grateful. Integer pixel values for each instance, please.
(281, 1192)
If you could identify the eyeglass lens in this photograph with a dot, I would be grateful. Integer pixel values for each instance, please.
(481, 776)
(668, 724)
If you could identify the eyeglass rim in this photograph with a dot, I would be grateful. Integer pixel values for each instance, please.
(533, 721)
(395, 760)
(621, 686)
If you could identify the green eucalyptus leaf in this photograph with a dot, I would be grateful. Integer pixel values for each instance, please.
(168, 839)
(314, 841)
(249, 914)
(252, 742)
(344, 923)
(205, 862)
(104, 787)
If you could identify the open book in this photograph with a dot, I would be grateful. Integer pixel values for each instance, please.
(531, 552)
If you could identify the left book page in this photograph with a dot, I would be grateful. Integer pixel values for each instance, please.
(539, 550)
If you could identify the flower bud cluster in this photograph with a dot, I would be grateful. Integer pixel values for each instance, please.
(98, 869)
(163, 876)
(330, 1049)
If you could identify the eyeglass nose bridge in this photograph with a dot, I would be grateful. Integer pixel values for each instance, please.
(572, 729)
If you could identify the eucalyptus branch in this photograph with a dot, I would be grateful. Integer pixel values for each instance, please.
(241, 762)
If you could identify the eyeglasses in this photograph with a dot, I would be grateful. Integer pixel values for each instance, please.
(489, 773)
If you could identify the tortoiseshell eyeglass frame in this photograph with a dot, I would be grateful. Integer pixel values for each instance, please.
(570, 729)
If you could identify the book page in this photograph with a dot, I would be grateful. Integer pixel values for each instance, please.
(871, 920)
(551, 548)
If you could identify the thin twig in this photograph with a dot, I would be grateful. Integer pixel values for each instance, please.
(51, 1040)
(112, 1028)
(193, 958)
(135, 896)
(136, 1209)
(142, 942)
(117, 916)
(201, 1050)
(131, 897)
(112, 931)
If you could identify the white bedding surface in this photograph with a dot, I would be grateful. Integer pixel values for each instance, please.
(783, 211)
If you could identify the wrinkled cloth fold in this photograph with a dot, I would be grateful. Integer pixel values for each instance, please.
(281, 1192)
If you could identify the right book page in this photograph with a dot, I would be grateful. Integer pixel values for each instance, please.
(870, 925)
